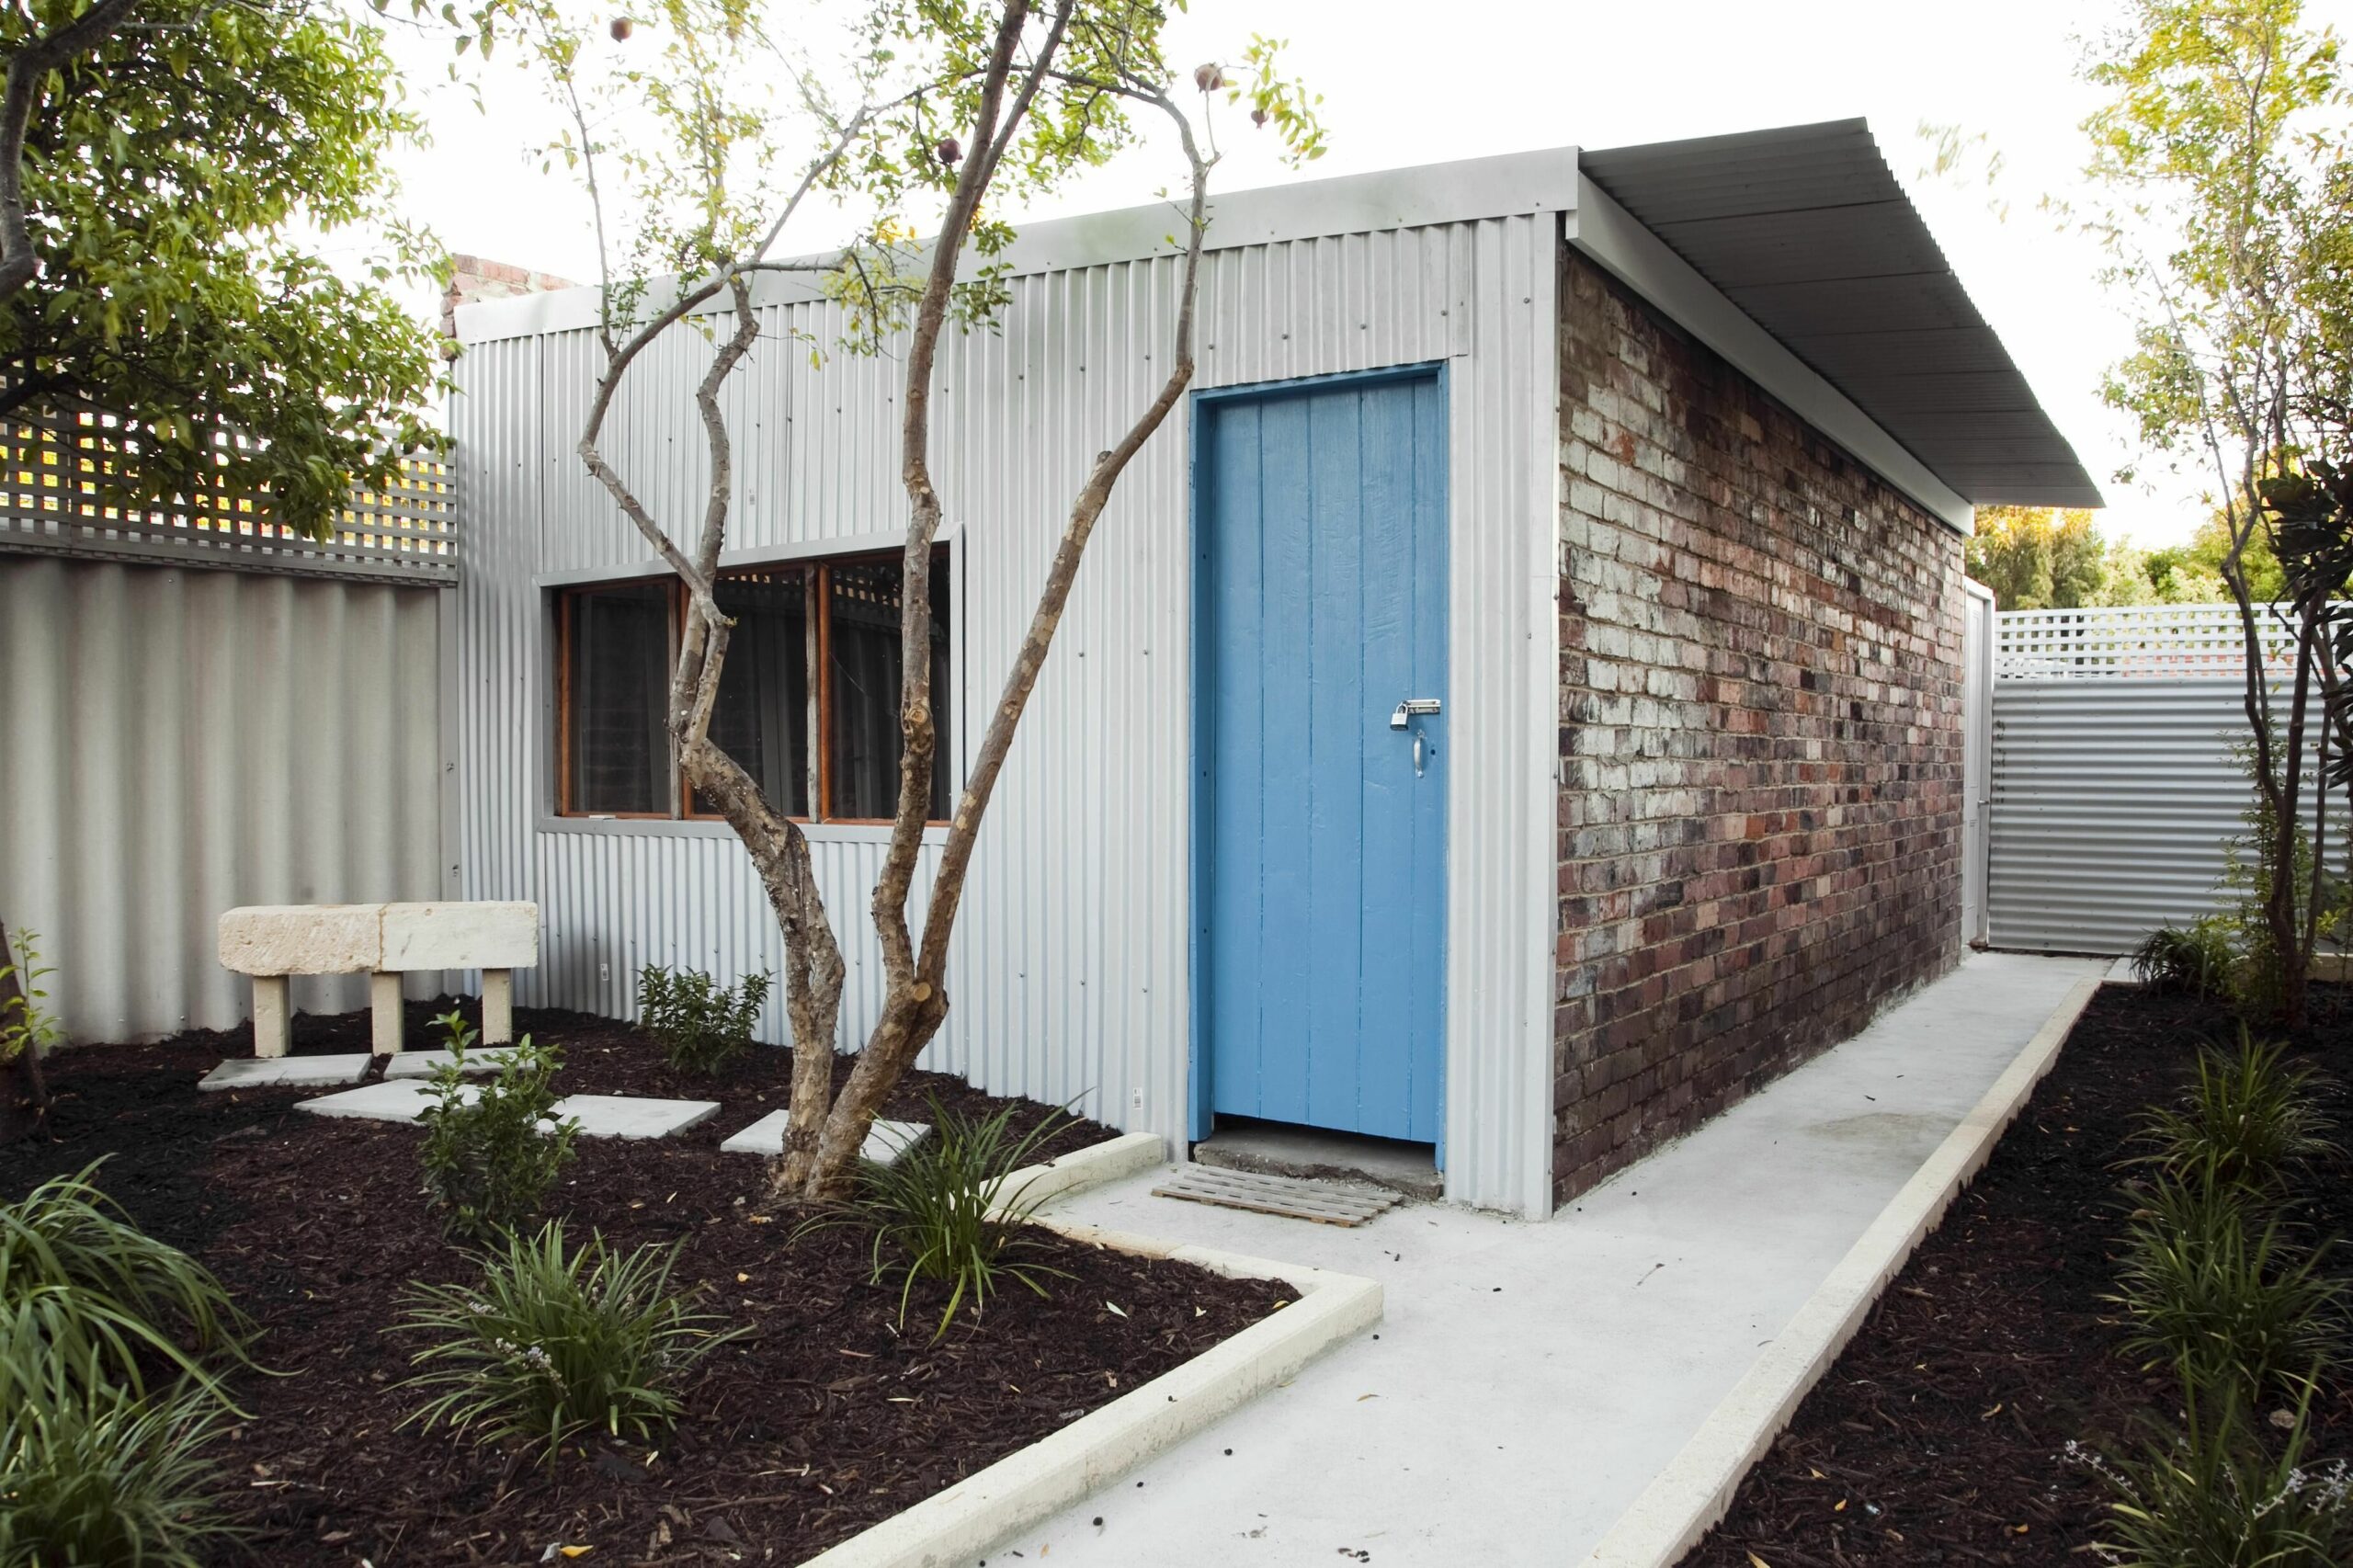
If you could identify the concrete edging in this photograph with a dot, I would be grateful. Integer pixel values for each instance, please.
(1688, 1498)
(1082, 1168)
(970, 1518)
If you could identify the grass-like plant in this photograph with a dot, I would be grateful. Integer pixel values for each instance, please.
(2223, 1297)
(941, 1210)
(2217, 1495)
(492, 1149)
(2196, 960)
(553, 1340)
(92, 1473)
(81, 1286)
(701, 1025)
(2249, 1120)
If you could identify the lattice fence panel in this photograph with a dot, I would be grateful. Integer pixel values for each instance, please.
(53, 501)
(2142, 641)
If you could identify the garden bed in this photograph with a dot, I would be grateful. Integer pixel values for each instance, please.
(822, 1419)
(1938, 1435)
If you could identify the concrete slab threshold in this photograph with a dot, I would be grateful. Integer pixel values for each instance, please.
(1532, 1380)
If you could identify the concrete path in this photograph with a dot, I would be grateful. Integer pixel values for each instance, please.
(1531, 1378)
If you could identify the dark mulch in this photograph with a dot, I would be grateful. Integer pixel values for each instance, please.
(1937, 1437)
(824, 1419)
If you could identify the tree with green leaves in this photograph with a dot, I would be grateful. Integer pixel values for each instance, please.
(940, 115)
(162, 163)
(2222, 148)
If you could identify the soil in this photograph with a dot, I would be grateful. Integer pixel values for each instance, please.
(824, 1419)
(1938, 1436)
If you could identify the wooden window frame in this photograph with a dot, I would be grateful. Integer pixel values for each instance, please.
(564, 808)
(816, 575)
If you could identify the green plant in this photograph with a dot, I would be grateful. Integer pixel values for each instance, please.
(492, 1150)
(93, 1473)
(2225, 1302)
(2249, 1120)
(2196, 959)
(701, 1025)
(553, 1341)
(2217, 1495)
(942, 1209)
(24, 1022)
(85, 1289)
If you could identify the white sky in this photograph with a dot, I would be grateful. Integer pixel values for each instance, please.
(1409, 83)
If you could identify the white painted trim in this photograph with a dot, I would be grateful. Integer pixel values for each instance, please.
(1496, 187)
(1083, 1168)
(969, 1519)
(1695, 1489)
(1618, 243)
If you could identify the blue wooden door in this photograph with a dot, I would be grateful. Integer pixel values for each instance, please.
(1321, 863)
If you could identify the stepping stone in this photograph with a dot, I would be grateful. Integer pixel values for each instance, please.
(376, 1102)
(885, 1141)
(283, 1072)
(421, 1063)
(631, 1116)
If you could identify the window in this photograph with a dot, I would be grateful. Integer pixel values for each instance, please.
(616, 647)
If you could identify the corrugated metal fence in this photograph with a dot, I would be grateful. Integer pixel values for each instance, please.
(203, 711)
(2114, 789)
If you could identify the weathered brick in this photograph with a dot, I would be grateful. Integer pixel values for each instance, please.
(1760, 738)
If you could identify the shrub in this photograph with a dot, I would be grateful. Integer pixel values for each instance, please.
(492, 1150)
(941, 1208)
(701, 1025)
(2226, 1303)
(2216, 1496)
(553, 1342)
(2197, 958)
(92, 1473)
(2250, 1119)
(85, 1287)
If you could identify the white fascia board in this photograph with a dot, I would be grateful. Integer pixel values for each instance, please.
(1616, 240)
(1502, 187)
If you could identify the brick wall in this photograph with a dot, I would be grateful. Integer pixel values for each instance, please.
(1760, 738)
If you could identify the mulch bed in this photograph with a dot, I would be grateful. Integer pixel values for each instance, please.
(1937, 1437)
(826, 1418)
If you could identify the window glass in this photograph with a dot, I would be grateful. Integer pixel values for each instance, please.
(862, 636)
(761, 718)
(617, 747)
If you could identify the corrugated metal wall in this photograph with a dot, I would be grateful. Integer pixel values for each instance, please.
(182, 741)
(1068, 978)
(2112, 799)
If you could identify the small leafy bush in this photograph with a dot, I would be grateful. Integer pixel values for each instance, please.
(2228, 1304)
(702, 1026)
(93, 1473)
(84, 1287)
(2249, 1120)
(554, 1341)
(940, 1211)
(25, 1023)
(2197, 960)
(492, 1150)
(2217, 1495)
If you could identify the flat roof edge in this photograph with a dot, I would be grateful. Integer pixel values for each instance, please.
(1505, 185)
(1617, 241)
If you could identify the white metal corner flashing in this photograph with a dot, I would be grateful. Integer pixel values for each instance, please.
(1617, 241)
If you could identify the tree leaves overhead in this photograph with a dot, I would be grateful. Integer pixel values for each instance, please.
(181, 181)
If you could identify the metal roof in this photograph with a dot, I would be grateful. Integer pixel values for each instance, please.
(1805, 229)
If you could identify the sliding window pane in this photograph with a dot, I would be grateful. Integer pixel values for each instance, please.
(863, 636)
(762, 716)
(616, 743)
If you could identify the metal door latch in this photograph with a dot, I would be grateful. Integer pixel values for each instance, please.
(1412, 705)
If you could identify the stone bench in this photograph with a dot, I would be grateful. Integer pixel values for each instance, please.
(382, 941)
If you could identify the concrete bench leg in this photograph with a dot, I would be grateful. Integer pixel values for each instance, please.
(273, 1023)
(497, 1007)
(384, 1007)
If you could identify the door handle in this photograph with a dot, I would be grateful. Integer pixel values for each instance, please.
(1417, 753)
